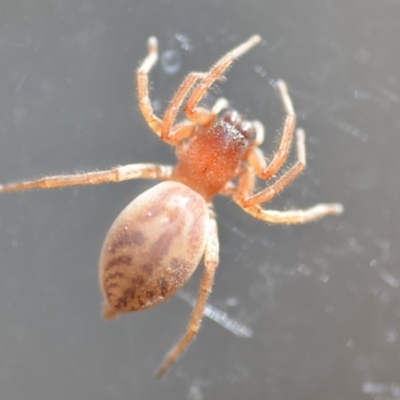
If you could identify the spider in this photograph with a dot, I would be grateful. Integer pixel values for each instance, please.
(158, 240)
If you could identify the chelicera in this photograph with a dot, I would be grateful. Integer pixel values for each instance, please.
(158, 240)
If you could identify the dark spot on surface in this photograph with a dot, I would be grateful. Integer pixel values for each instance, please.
(108, 287)
(150, 295)
(147, 268)
(171, 61)
(175, 263)
(111, 285)
(141, 301)
(181, 268)
(113, 276)
(129, 294)
(164, 286)
(179, 263)
(121, 303)
(126, 239)
(138, 238)
(138, 281)
(122, 260)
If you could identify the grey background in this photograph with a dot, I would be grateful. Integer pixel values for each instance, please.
(322, 300)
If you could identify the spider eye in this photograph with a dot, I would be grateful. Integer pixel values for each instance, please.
(246, 128)
(232, 117)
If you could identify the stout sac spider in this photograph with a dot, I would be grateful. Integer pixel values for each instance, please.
(157, 241)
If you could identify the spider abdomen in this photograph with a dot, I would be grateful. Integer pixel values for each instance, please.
(152, 248)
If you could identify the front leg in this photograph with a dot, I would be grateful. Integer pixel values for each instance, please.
(250, 202)
(197, 114)
(164, 128)
(282, 152)
(257, 161)
(176, 134)
(117, 174)
(142, 81)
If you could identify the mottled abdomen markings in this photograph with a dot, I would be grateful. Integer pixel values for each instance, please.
(152, 248)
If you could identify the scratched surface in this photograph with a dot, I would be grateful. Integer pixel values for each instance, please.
(308, 312)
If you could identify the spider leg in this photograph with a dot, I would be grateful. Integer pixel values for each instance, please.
(282, 153)
(211, 262)
(293, 216)
(257, 161)
(142, 77)
(220, 104)
(250, 202)
(175, 134)
(117, 174)
(199, 115)
(185, 129)
(164, 128)
(259, 133)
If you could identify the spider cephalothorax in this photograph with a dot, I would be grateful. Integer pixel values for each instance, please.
(212, 157)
